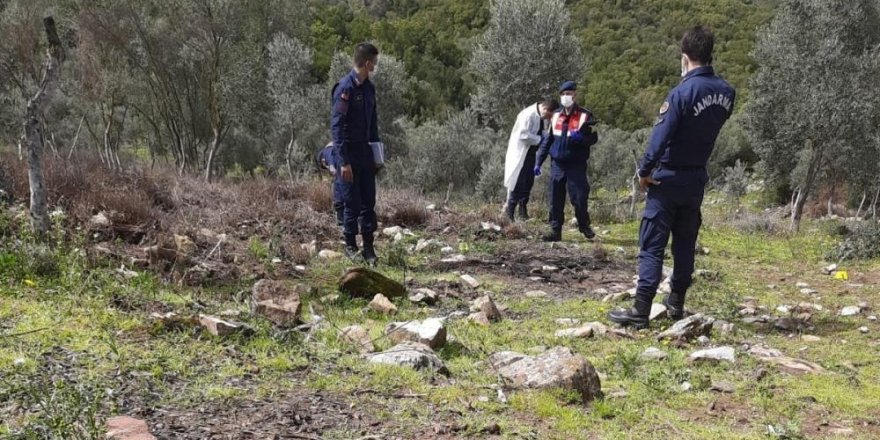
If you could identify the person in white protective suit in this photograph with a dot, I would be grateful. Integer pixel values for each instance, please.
(525, 137)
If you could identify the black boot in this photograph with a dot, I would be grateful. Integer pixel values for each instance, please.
(629, 318)
(509, 209)
(674, 303)
(369, 252)
(524, 211)
(553, 236)
(351, 247)
(589, 233)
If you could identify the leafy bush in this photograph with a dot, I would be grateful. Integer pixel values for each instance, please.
(862, 242)
(735, 180)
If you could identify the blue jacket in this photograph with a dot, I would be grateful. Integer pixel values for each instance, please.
(327, 159)
(569, 138)
(353, 119)
(688, 124)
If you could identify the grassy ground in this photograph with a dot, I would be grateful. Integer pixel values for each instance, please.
(94, 351)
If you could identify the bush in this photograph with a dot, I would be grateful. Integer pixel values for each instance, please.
(861, 243)
(735, 180)
(613, 160)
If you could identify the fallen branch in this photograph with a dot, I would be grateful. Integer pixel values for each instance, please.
(15, 335)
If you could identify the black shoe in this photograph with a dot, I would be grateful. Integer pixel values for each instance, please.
(509, 210)
(629, 318)
(370, 256)
(589, 233)
(523, 211)
(352, 252)
(552, 236)
(674, 313)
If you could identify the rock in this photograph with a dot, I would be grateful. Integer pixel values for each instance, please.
(364, 283)
(358, 336)
(654, 354)
(185, 246)
(689, 328)
(555, 368)
(872, 318)
(599, 292)
(581, 332)
(863, 329)
(487, 306)
(657, 311)
(99, 221)
(397, 231)
(830, 269)
(615, 297)
(424, 296)
(665, 287)
(219, 327)
(723, 386)
(549, 269)
(430, 332)
(277, 301)
(802, 285)
(686, 386)
(127, 428)
(864, 306)
(409, 354)
(810, 338)
(479, 318)
(327, 254)
(703, 340)
(567, 321)
(717, 354)
(787, 364)
(850, 311)
(783, 310)
(723, 327)
(631, 292)
(470, 281)
(536, 294)
(489, 226)
(382, 304)
(428, 245)
(446, 250)
(311, 248)
(805, 307)
(458, 258)
(808, 291)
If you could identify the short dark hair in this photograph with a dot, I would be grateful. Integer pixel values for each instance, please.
(550, 103)
(698, 44)
(365, 52)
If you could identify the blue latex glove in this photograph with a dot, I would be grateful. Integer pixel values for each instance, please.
(537, 171)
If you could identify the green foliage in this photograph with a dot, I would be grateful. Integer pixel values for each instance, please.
(861, 243)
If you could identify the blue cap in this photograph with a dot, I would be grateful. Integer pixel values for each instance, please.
(568, 85)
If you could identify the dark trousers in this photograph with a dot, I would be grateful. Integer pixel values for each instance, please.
(338, 202)
(670, 209)
(526, 180)
(573, 179)
(359, 195)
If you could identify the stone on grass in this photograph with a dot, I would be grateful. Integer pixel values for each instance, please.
(809, 291)
(555, 368)
(654, 354)
(487, 306)
(850, 311)
(479, 318)
(424, 296)
(615, 297)
(657, 311)
(864, 329)
(364, 283)
(810, 338)
(127, 428)
(277, 301)
(717, 354)
(382, 304)
(327, 254)
(470, 281)
(723, 386)
(220, 327)
(785, 363)
(409, 354)
(723, 327)
(567, 321)
(430, 332)
(580, 332)
(536, 294)
(688, 328)
(357, 336)
(457, 258)
(428, 245)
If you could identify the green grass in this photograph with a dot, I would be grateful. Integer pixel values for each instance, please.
(89, 311)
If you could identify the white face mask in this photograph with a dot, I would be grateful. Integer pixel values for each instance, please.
(374, 71)
(566, 100)
(684, 66)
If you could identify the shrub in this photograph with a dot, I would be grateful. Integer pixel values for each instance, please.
(862, 242)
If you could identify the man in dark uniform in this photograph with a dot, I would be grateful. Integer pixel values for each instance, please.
(327, 162)
(353, 127)
(568, 143)
(673, 172)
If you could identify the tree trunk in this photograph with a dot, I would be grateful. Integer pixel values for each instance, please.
(804, 192)
(33, 131)
(289, 153)
(861, 204)
(212, 153)
(874, 204)
(75, 138)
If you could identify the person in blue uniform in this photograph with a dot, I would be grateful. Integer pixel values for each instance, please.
(353, 127)
(673, 172)
(568, 141)
(327, 162)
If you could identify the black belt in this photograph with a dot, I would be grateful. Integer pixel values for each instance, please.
(673, 168)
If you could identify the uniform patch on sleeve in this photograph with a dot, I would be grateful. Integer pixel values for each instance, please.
(664, 108)
(343, 96)
(658, 121)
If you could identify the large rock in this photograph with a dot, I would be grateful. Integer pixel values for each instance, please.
(717, 354)
(409, 354)
(485, 305)
(430, 332)
(365, 283)
(127, 428)
(277, 301)
(689, 328)
(556, 368)
(383, 305)
(357, 336)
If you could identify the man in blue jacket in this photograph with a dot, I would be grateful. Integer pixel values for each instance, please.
(673, 172)
(353, 127)
(568, 144)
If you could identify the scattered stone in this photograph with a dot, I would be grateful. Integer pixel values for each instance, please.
(689, 328)
(763, 319)
(470, 281)
(219, 327)
(311, 248)
(581, 332)
(382, 304)
(358, 336)
(784, 310)
(723, 386)
(599, 292)
(703, 340)
(686, 386)
(327, 254)
(430, 332)
(428, 245)
(556, 368)
(127, 428)
(830, 269)
(863, 329)
(567, 321)
(549, 269)
(872, 318)
(657, 311)
(485, 305)
(277, 301)
(363, 283)
(709, 275)
(479, 318)
(536, 294)
(396, 231)
(785, 363)
(458, 258)
(805, 307)
(810, 338)
(717, 354)
(801, 285)
(424, 296)
(446, 250)
(808, 291)
(631, 292)
(654, 354)
(723, 327)
(19, 362)
(409, 354)
(615, 297)
(489, 226)
(99, 221)
(850, 311)
(126, 273)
